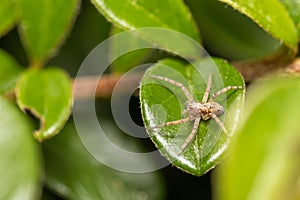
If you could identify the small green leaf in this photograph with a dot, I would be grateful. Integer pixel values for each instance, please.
(163, 102)
(44, 26)
(9, 72)
(168, 14)
(131, 59)
(47, 95)
(272, 17)
(264, 161)
(20, 164)
(83, 177)
(7, 18)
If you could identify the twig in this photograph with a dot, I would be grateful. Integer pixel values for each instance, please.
(85, 86)
(255, 70)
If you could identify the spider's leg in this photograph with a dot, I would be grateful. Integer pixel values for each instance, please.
(180, 85)
(180, 121)
(222, 91)
(207, 90)
(191, 136)
(220, 123)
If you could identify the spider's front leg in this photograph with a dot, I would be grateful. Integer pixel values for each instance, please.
(186, 92)
(208, 88)
(224, 90)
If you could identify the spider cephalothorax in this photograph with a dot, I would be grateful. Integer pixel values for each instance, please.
(205, 110)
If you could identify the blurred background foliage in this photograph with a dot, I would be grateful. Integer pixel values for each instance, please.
(89, 30)
(225, 33)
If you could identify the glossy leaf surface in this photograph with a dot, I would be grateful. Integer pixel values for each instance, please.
(274, 19)
(75, 174)
(230, 34)
(44, 26)
(264, 163)
(293, 7)
(20, 164)
(47, 95)
(163, 102)
(169, 14)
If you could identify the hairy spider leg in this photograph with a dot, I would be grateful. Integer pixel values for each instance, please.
(180, 85)
(222, 91)
(220, 123)
(180, 121)
(191, 136)
(218, 93)
(208, 88)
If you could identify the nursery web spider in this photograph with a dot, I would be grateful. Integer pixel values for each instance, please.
(206, 109)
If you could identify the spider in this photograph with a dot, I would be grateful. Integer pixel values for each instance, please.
(198, 110)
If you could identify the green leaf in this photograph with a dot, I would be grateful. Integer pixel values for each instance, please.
(274, 19)
(47, 95)
(168, 14)
(230, 34)
(44, 26)
(83, 177)
(7, 18)
(9, 72)
(163, 102)
(293, 7)
(75, 49)
(131, 59)
(20, 164)
(264, 163)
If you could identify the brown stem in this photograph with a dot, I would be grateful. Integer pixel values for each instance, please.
(84, 87)
(254, 70)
